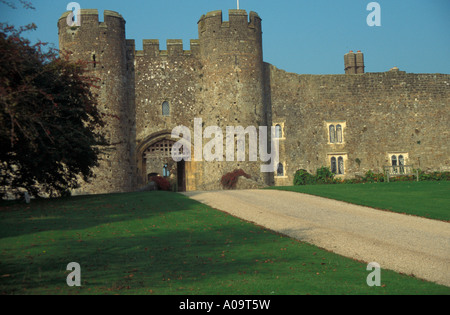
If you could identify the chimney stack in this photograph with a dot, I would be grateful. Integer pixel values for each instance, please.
(354, 63)
(359, 62)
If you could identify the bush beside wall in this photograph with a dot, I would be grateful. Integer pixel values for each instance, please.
(325, 176)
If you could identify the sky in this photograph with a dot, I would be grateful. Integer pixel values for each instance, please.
(301, 36)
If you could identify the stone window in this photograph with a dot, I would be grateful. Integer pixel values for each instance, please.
(339, 134)
(337, 163)
(341, 170)
(401, 163)
(278, 131)
(394, 160)
(332, 134)
(335, 132)
(333, 165)
(280, 170)
(166, 172)
(166, 109)
(398, 162)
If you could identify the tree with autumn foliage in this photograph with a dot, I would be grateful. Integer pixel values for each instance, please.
(49, 120)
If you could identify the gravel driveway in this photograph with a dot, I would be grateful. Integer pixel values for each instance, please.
(403, 243)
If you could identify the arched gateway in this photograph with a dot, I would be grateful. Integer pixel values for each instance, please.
(154, 157)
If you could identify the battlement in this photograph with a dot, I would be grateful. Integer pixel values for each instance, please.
(213, 21)
(90, 17)
(174, 48)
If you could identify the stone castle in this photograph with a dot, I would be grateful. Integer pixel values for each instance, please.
(352, 122)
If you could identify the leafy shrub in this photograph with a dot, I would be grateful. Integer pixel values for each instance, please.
(435, 176)
(230, 180)
(324, 175)
(302, 177)
(161, 182)
(371, 177)
(402, 178)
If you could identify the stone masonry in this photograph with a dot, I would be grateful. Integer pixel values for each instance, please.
(357, 120)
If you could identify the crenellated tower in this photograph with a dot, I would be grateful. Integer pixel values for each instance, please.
(233, 77)
(232, 58)
(104, 47)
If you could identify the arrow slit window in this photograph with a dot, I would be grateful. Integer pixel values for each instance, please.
(166, 109)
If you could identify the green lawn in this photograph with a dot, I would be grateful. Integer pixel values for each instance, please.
(164, 243)
(425, 199)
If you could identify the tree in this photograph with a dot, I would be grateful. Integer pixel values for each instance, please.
(25, 4)
(49, 121)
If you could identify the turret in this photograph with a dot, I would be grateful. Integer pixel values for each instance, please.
(233, 84)
(231, 54)
(104, 47)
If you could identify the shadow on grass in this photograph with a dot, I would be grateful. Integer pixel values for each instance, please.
(165, 243)
(186, 252)
(85, 211)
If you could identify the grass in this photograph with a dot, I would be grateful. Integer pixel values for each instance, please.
(425, 199)
(167, 244)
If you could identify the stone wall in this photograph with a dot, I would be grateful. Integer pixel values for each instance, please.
(382, 113)
(103, 46)
(222, 80)
(232, 82)
(164, 76)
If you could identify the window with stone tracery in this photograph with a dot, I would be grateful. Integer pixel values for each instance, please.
(337, 163)
(339, 134)
(332, 134)
(336, 132)
(341, 170)
(333, 165)
(398, 162)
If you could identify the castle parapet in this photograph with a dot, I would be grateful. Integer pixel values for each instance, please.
(112, 18)
(213, 21)
(90, 18)
(174, 48)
